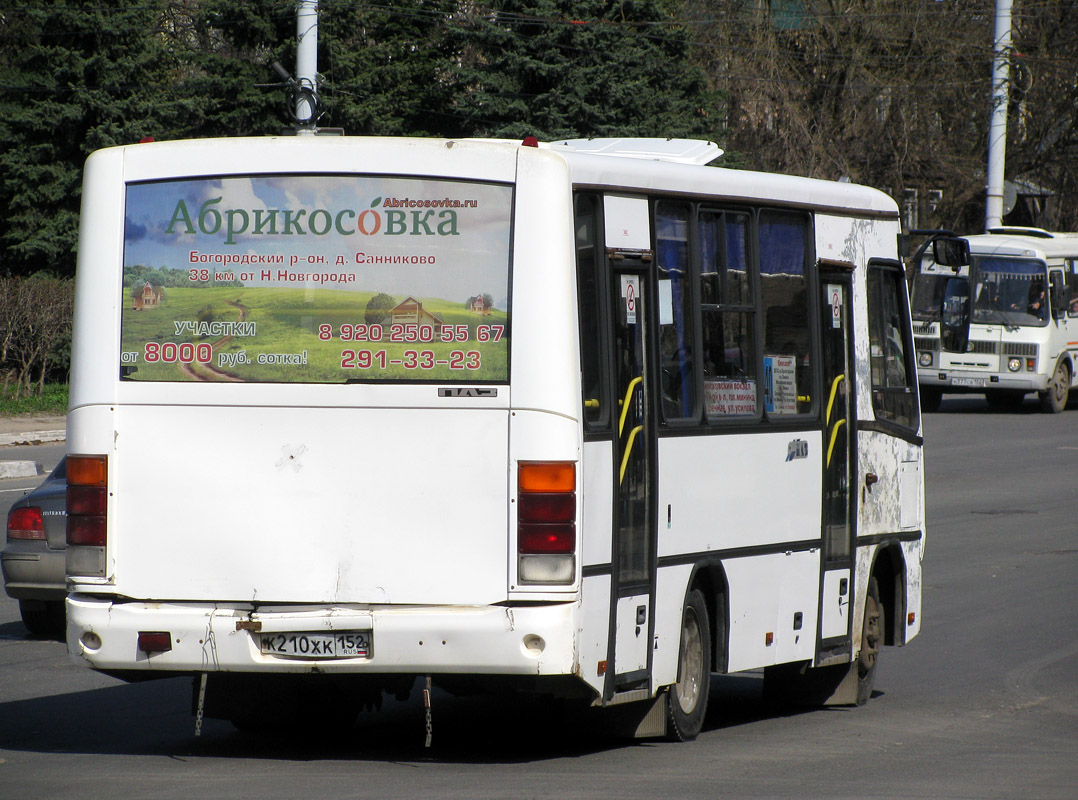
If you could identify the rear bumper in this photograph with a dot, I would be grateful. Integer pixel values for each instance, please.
(33, 573)
(527, 640)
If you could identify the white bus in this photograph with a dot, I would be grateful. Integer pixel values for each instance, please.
(999, 319)
(588, 419)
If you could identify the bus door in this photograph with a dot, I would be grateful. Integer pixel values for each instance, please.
(634, 445)
(838, 520)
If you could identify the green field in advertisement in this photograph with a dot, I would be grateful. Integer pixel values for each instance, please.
(316, 279)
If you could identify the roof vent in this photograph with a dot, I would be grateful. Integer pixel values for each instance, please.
(678, 151)
(1039, 233)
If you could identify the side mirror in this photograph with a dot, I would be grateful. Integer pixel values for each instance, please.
(954, 316)
(950, 251)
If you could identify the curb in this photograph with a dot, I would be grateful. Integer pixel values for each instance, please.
(33, 437)
(19, 469)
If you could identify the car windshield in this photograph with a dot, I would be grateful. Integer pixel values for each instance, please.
(1011, 291)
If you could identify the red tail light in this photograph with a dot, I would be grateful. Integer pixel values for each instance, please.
(546, 521)
(86, 531)
(25, 523)
(87, 498)
(553, 507)
(546, 538)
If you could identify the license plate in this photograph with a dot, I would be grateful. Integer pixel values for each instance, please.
(967, 382)
(343, 644)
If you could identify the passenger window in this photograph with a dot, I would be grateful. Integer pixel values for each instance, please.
(728, 344)
(1072, 288)
(674, 300)
(893, 374)
(591, 327)
(784, 251)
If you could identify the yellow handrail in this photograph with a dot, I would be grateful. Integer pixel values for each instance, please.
(834, 435)
(834, 389)
(625, 403)
(628, 450)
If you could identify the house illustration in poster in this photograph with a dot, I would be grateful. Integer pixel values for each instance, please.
(480, 304)
(149, 297)
(411, 312)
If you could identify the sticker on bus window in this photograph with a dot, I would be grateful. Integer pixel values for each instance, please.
(729, 397)
(834, 299)
(780, 384)
(316, 279)
(630, 295)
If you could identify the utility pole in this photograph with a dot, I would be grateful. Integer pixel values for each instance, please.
(997, 132)
(307, 61)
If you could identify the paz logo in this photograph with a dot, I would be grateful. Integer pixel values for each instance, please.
(798, 448)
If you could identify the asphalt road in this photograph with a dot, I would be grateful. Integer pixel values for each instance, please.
(983, 704)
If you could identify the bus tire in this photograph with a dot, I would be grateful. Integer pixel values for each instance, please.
(1054, 398)
(871, 639)
(686, 700)
(931, 397)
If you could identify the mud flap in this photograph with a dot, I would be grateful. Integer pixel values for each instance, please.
(801, 685)
(642, 719)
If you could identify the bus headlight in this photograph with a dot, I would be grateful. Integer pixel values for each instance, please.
(924, 358)
(1014, 364)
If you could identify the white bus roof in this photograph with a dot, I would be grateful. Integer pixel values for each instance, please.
(1027, 242)
(670, 166)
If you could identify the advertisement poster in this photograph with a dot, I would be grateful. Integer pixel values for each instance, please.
(316, 279)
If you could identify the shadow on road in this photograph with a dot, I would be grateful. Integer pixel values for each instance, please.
(154, 718)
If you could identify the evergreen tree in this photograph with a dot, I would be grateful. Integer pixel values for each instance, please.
(78, 77)
(226, 50)
(384, 67)
(557, 69)
(73, 78)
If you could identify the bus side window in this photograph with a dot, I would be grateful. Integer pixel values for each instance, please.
(592, 330)
(727, 310)
(784, 250)
(677, 330)
(893, 376)
(1072, 287)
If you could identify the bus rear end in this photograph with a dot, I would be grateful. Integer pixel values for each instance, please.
(294, 445)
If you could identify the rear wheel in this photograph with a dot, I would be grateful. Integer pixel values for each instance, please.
(686, 702)
(1054, 398)
(871, 639)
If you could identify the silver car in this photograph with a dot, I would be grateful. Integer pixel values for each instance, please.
(33, 557)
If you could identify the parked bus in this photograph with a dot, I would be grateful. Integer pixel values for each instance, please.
(588, 419)
(1000, 319)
